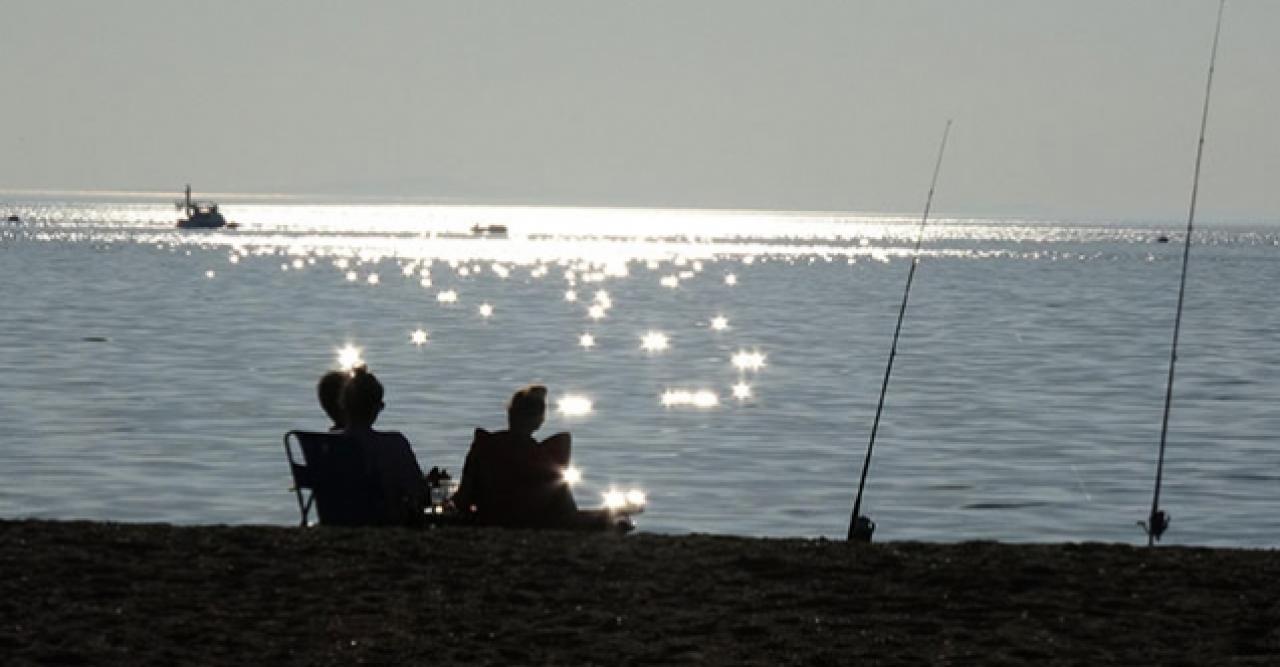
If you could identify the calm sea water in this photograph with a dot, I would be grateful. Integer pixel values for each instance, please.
(148, 374)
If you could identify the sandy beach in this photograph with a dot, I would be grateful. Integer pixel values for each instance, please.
(102, 593)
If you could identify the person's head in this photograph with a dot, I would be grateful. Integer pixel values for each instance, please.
(527, 408)
(329, 391)
(361, 398)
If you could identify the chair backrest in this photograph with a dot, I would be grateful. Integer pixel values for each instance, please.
(516, 482)
(343, 488)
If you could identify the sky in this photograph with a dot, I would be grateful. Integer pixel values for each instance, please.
(1079, 109)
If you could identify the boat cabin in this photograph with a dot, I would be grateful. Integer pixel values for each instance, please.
(199, 215)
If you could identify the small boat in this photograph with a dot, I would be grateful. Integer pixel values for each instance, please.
(490, 231)
(14, 218)
(201, 215)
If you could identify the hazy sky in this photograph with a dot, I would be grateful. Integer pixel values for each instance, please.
(1076, 108)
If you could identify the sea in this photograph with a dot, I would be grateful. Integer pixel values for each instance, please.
(726, 363)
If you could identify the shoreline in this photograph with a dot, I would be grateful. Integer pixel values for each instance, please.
(107, 593)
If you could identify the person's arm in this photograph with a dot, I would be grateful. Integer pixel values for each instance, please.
(409, 488)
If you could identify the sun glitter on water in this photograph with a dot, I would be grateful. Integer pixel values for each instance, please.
(587, 340)
(418, 337)
(617, 499)
(719, 323)
(702, 398)
(574, 405)
(349, 356)
(748, 360)
(654, 341)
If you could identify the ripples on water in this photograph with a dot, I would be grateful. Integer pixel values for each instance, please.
(727, 362)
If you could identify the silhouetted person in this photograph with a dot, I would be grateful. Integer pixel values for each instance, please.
(329, 391)
(388, 457)
(511, 479)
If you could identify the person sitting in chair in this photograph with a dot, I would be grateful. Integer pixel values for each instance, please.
(387, 455)
(511, 479)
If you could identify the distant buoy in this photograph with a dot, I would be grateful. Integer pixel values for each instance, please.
(1162, 239)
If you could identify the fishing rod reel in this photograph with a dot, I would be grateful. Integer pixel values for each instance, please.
(1159, 523)
(862, 529)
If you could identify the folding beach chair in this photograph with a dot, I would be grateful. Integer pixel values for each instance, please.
(332, 472)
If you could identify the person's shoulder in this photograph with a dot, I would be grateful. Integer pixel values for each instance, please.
(391, 438)
(381, 443)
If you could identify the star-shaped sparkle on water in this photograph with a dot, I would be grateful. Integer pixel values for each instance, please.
(748, 360)
(654, 341)
(418, 337)
(349, 356)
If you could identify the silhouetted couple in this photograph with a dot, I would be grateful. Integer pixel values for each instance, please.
(509, 479)
(353, 401)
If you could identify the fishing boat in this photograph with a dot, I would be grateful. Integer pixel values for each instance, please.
(201, 215)
(489, 231)
(14, 218)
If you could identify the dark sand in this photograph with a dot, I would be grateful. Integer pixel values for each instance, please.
(95, 593)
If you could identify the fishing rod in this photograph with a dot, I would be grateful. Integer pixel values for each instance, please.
(861, 527)
(1158, 521)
